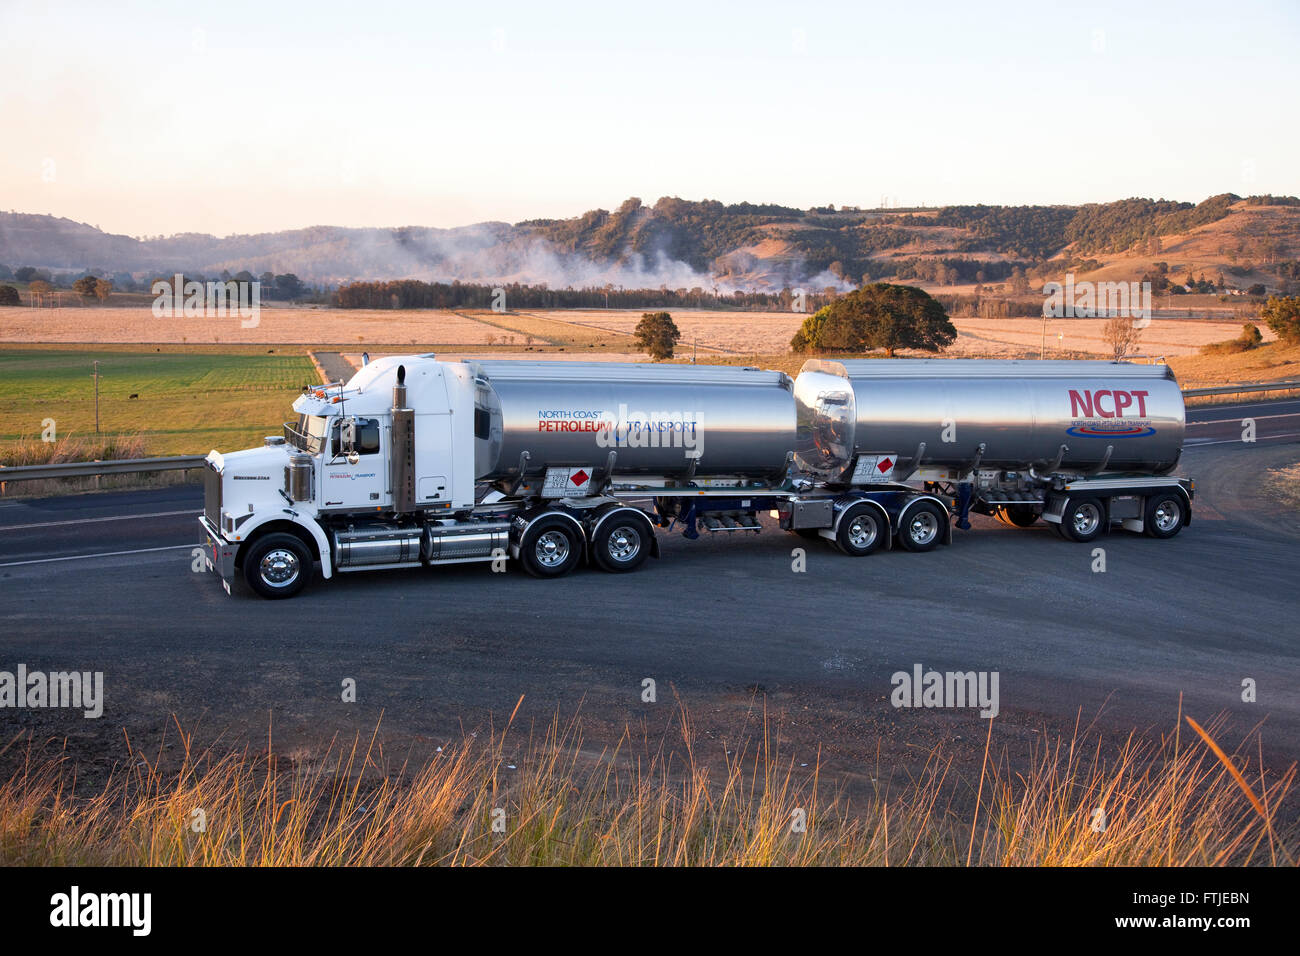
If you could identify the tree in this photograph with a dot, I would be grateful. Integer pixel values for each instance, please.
(85, 286)
(656, 334)
(877, 316)
(25, 273)
(103, 289)
(1282, 313)
(1121, 335)
(288, 286)
(9, 295)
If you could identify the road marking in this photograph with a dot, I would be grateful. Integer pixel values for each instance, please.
(1202, 442)
(1258, 418)
(55, 524)
(105, 554)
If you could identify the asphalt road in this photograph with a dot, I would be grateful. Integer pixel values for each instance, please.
(724, 624)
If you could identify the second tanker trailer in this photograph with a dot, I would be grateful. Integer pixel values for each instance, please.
(417, 462)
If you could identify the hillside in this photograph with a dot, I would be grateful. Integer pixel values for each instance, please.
(1229, 242)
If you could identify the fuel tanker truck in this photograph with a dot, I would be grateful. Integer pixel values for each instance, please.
(417, 462)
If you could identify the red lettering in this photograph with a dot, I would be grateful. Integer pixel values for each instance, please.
(1096, 401)
(1122, 401)
(1142, 402)
(1080, 405)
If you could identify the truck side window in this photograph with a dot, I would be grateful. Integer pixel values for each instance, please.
(367, 442)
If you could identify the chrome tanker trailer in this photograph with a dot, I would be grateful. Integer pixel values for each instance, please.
(417, 462)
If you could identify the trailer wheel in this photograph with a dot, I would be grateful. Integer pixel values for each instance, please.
(1165, 516)
(1018, 515)
(1083, 519)
(551, 548)
(860, 531)
(622, 543)
(922, 527)
(278, 566)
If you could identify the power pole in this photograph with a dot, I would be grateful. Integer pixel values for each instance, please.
(95, 376)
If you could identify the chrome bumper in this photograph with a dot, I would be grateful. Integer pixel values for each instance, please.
(219, 554)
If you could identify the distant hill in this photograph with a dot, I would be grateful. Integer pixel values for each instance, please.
(681, 243)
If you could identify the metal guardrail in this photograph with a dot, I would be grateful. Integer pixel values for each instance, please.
(90, 469)
(130, 466)
(1234, 389)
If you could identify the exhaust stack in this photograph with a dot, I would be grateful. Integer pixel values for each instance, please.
(402, 460)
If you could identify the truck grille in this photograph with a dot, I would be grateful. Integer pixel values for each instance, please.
(212, 495)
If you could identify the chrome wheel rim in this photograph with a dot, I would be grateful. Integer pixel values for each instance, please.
(1086, 519)
(862, 531)
(552, 549)
(1168, 515)
(279, 567)
(623, 543)
(923, 527)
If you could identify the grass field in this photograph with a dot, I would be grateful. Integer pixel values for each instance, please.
(188, 403)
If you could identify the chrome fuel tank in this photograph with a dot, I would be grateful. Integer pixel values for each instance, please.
(657, 418)
(1021, 411)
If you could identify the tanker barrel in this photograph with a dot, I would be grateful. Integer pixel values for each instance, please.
(1078, 417)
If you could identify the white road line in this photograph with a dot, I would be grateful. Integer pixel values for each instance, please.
(1201, 442)
(55, 524)
(1225, 421)
(105, 554)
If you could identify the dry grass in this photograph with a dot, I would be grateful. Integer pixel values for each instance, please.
(1177, 802)
(33, 451)
(276, 326)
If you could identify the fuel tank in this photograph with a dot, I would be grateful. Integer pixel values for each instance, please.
(668, 420)
(1022, 412)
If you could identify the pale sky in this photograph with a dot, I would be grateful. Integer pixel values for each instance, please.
(240, 117)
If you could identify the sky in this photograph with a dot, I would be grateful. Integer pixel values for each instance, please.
(149, 118)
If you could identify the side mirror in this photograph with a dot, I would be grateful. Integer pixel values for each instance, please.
(347, 441)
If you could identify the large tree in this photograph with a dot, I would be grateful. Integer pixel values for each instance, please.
(1282, 313)
(657, 333)
(877, 316)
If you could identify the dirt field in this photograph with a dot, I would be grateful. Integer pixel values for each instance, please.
(305, 326)
(585, 333)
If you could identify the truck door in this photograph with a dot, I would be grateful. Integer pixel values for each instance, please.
(357, 486)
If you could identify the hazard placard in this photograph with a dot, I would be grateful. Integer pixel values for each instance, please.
(874, 469)
(566, 482)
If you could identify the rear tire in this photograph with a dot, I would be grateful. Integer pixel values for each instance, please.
(551, 548)
(278, 566)
(861, 531)
(1083, 520)
(622, 543)
(1165, 516)
(922, 527)
(1018, 515)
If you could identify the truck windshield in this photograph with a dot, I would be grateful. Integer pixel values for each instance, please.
(307, 433)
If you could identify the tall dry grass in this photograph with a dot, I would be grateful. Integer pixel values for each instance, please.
(1179, 801)
(72, 448)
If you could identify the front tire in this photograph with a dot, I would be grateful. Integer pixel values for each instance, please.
(551, 548)
(278, 566)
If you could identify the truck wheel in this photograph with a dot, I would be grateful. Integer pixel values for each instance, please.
(278, 566)
(622, 543)
(1018, 515)
(1083, 519)
(922, 527)
(860, 532)
(1165, 516)
(550, 549)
